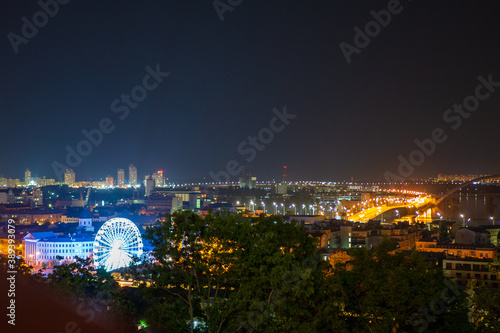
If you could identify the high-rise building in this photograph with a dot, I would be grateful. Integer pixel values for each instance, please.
(159, 180)
(27, 176)
(110, 181)
(132, 175)
(121, 177)
(149, 183)
(69, 177)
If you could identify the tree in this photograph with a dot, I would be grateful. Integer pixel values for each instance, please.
(186, 271)
(96, 288)
(231, 273)
(382, 292)
(485, 310)
(16, 264)
(444, 236)
(279, 274)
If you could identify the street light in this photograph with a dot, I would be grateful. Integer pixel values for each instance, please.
(492, 220)
(463, 219)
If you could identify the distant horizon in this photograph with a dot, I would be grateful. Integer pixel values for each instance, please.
(235, 179)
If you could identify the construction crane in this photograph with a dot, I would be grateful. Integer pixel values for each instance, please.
(243, 169)
(246, 181)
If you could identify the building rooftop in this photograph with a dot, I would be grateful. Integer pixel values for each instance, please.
(465, 246)
(469, 259)
(476, 229)
(34, 211)
(40, 235)
(52, 237)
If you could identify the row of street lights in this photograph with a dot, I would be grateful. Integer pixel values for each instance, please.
(309, 208)
(468, 220)
(280, 207)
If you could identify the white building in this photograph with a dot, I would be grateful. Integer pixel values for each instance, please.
(42, 249)
(85, 221)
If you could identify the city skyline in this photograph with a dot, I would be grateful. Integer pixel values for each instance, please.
(121, 180)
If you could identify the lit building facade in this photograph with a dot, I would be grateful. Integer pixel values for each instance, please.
(461, 270)
(30, 216)
(110, 181)
(150, 185)
(27, 177)
(10, 182)
(158, 178)
(42, 249)
(132, 175)
(69, 177)
(120, 181)
(463, 251)
(36, 197)
(85, 221)
(45, 181)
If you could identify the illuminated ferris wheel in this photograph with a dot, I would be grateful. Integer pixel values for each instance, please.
(116, 243)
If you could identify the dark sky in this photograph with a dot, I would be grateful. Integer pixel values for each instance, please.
(352, 120)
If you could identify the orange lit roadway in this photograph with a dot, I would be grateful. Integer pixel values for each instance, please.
(371, 213)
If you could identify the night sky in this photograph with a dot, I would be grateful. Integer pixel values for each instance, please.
(226, 77)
